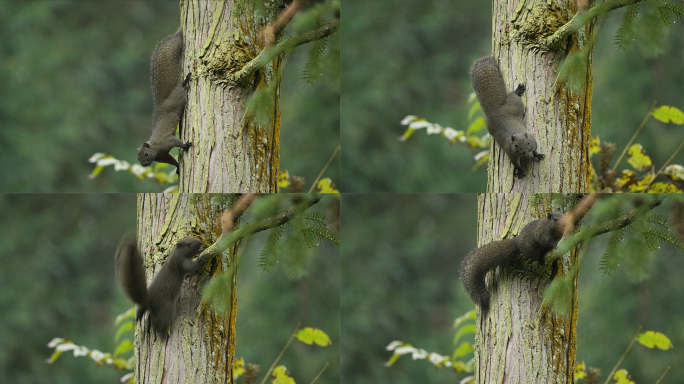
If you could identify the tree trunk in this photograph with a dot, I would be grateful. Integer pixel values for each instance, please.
(558, 118)
(201, 345)
(518, 341)
(230, 152)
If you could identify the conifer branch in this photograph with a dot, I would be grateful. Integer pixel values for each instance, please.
(581, 18)
(608, 226)
(229, 238)
(268, 54)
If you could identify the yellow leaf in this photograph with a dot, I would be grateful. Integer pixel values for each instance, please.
(311, 336)
(580, 371)
(674, 171)
(239, 367)
(652, 339)
(326, 186)
(663, 188)
(621, 377)
(626, 179)
(636, 156)
(669, 115)
(284, 179)
(594, 145)
(642, 184)
(280, 376)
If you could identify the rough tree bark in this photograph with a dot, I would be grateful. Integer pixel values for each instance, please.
(518, 342)
(230, 152)
(201, 345)
(558, 118)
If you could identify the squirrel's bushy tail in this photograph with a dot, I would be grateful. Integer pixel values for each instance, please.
(488, 84)
(165, 66)
(130, 273)
(481, 260)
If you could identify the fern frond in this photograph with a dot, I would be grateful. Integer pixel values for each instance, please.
(610, 260)
(268, 258)
(313, 69)
(676, 7)
(664, 237)
(626, 33)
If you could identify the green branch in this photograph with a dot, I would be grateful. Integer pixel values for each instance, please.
(608, 226)
(582, 18)
(228, 239)
(268, 54)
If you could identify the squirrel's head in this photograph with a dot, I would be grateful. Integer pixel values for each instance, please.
(189, 246)
(146, 154)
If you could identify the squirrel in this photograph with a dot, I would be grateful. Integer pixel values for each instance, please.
(161, 296)
(536, 239)
(504, 112)
(169, 102)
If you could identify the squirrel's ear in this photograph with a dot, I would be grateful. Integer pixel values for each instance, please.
(146, 145)
(549, 215)
(512, 137)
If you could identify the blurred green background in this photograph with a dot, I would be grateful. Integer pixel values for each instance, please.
(400, 265)
(76, 81)
(57, 271)
(413, 58)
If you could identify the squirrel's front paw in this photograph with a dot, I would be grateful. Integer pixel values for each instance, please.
(519, 173)
(520, 90)
(187, 145)
(538, 156)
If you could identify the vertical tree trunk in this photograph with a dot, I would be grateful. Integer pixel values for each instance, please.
(559, 119)
(519, 342)
(230, 152)
(201, 345)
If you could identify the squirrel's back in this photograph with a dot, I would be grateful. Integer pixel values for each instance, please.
(488, 84)
(165, 66)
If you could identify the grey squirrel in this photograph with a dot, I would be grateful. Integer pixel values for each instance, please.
(504, 113)
(536, 239)
(169, 101)
(161, 296)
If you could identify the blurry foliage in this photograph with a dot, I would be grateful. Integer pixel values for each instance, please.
(606, 179)
(126, 326)
(58, 279)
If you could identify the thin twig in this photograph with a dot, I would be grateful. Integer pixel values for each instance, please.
(610, 375)
(634, 136)
(324, 168)
(281, 353)
(666, 164)
(326, 366)
(663, 375)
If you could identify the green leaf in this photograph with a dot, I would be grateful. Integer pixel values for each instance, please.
(464, 330)
(652, 339)
(669, 115)
(123, 347)
(311, 336)
(125, 327)
(470, 315)
(476, 126)
(129, 314)
(462, 350)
